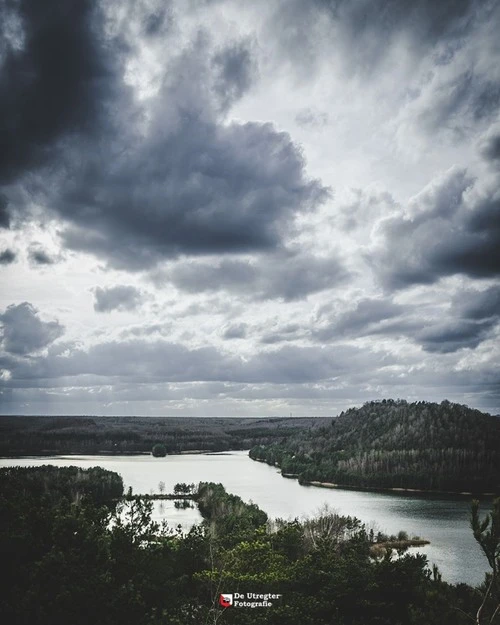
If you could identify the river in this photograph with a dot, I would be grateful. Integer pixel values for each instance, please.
(443, 521)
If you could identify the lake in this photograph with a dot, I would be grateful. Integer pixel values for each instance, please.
(443, 521)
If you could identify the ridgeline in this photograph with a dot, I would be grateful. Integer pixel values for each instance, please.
(394, 444)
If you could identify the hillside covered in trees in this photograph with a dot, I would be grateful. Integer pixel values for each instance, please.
(26, 435)
(395, 444)
(75, 559)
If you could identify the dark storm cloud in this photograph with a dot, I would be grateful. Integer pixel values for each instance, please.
(163, 361)
(40, 257)
(472, 317)
(55, 76)
(454, 335)
(188, 183)
(136, 192)
(24, 333)
(288, 276)
(7, 257)
(119, 297)
(489, 146)
(234, 69)
(473, 304)
(204, 189)
(466, 323)
(452, 228)
(366, 318)
(4, 212)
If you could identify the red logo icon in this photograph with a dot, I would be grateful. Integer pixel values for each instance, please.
(225, 600)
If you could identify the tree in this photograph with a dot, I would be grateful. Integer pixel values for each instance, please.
(487, 534)
(161, 487)
(159, 450)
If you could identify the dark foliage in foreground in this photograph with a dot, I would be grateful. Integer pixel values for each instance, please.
(73, 561)
(394, 444)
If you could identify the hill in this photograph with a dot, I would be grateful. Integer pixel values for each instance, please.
(395, 444)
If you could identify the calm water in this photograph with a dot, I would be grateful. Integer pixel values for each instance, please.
(445, 522)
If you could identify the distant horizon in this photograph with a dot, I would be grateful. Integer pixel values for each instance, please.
(233, 416)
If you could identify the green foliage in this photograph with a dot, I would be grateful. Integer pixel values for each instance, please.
(184, 489)
(227, 516)
(159, 450)
(394, 444)
(53, 483)
(72, 560)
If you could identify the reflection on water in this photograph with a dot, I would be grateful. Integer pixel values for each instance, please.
(445, 522)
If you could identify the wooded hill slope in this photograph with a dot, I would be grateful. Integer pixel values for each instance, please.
(395, 444)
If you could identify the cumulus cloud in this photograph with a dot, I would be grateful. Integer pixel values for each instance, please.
(234, 69)
(7, 257)
(466, 322)
(39, 256)
(120, 297)
(236, 331)
(454, 335)
(369, 316)
(450, 228)
(164, 177)
(489, 144)
(474, 304)
(24, 333)
(472, 317)
(288, 275)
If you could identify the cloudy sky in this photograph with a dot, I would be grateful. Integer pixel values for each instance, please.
(217, 207)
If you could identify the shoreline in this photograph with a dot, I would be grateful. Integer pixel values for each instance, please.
(394, 489)
(103, 452)
(295, 476)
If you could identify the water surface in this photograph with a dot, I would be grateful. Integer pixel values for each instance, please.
(445, 522)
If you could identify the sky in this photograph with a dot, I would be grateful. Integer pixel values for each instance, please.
(216, 207)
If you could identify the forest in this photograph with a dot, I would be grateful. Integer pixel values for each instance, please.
(395, 444)
(78, 551)
(26, 436)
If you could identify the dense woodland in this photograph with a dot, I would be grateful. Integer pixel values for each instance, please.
(72, 559)
(91, 435)
(395, 444)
